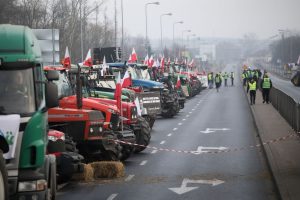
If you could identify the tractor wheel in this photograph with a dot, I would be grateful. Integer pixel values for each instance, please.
(150, 119)
(3, 178)
(143, 136)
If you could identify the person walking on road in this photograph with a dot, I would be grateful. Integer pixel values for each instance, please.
(232, 78)
(225, 78)
(252, 87)
(218, 81)
(210, 80)
(244, 77)
(266, 85)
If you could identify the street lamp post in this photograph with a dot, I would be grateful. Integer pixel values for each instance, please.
(180, 22)
(146, 16)
(183, 38)
(161, 32)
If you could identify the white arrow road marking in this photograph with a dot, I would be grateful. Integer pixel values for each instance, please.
(201, 149)
(183, 188)
(211, 130)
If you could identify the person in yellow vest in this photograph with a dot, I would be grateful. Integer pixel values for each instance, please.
(266, 85)
(210, 80)
(252, 87)
(218, 81)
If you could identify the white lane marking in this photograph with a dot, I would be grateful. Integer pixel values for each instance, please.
(111, 197)
(187, 115)
(174, 129)
(193, 109)
(183, 119)
(170, 134)
(179, 124)
(129, 177)
(190, 112)
(154, 151)
(144, 162)
(162, 142)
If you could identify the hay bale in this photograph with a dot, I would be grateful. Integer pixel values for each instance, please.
(108, 169)
(87, 175)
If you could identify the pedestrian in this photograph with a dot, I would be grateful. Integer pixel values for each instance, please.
(252, 87)
(244, 77)
(266, 85)
(218, 81)
(210, 80)
(225, 78)
(232, 78)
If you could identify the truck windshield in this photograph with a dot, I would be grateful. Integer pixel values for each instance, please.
(17, 92)
(63, 85)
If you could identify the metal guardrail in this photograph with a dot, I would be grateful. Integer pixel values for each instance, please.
(288, 107)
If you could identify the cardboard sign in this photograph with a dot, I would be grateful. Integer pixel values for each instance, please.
(9, 129)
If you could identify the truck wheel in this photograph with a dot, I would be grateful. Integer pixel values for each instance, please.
(3, 178)
(143, 136)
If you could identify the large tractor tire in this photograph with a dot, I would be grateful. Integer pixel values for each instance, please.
(150, 119)
(3, 178)
(143, 136)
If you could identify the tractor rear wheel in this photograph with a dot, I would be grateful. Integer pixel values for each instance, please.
(143, 136)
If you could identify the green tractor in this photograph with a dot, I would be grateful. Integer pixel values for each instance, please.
(26, 171)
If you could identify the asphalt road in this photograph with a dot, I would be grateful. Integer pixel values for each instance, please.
(286, 86)
(233, 175)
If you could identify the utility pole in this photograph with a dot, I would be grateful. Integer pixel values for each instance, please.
(116, 24)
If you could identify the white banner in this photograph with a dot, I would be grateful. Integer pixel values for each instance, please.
(9, 129)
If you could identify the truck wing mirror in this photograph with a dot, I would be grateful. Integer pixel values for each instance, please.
(52, 75)
(51, 95)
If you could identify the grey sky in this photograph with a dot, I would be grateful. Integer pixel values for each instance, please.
(213, 18)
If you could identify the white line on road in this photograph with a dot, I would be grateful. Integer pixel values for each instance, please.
(154, 151)
(174, 129)
(162, 142)
(144, 162)
(179, 124)
(129, 177)
(193, 109)
(190, 112)
(111, 197)
(170, 134)
(187, 115)
(183, 119)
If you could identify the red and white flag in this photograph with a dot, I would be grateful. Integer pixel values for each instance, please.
(162, 64)
(67, 59)
(146, 60)
(178, 83)
(126, 81)
(151, 62)
(191, 64)
(134, 57)
(169, 61)
(130, 59)
(118, 92)
(88, 60)
(298, 61)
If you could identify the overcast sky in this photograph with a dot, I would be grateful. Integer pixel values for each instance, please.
(211, 18)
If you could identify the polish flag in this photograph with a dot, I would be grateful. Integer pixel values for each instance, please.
(118, 92)
(67, 59)
(134, 56)
(130, 59)
(104, 65)
(169, 61)
(126, 81)
(146, 61)
(178, 83)
(162, 63)
(191, 64)
(88, 60)
(151, 62)
(298, 62)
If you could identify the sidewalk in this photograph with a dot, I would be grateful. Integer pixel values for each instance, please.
(283, 156)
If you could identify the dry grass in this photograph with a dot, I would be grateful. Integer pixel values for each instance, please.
(108, 169)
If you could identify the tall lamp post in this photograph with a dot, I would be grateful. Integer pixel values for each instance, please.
(180, 22)
(188, 31)
(161, 32)
(146, 16)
